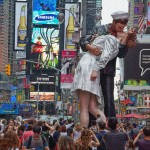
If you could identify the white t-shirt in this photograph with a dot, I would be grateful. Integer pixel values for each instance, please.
(76, 134)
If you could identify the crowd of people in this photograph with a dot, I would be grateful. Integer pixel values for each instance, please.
(67, 135)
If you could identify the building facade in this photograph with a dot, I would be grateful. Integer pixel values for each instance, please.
(4, 23)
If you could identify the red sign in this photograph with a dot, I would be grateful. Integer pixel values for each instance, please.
(68, 54)
(67, 78)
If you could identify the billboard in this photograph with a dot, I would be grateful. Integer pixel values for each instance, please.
(137, 65)
(67, 68)
(45, 85)
(20, 25)
(45, 48)
(25, 109)
(42, 96)
(70, 18)
(9, 108)
(44, 12)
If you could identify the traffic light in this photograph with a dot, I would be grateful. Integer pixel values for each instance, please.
(7, 69)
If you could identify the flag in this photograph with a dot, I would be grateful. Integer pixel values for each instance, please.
(146, 98)
(141, 24)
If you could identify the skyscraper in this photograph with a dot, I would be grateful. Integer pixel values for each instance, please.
(91, 12)
(3, 35)
(6, 32)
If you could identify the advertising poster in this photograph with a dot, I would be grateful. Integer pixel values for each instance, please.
(70, 17)
(20, 25)
(9, 108)
(42, 96)
(67, 68)
(45, 48)
(137, 66)
(44, 12)
(45, 85)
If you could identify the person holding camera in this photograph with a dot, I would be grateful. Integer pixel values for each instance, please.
(143, 144)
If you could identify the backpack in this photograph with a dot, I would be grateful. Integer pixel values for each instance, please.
(133, 135)
(50, 140)
(102, 143)
(30, 140)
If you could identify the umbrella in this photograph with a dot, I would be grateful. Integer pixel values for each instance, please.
(137, 116)
(119, 116)
(127, 116)
(134, 116)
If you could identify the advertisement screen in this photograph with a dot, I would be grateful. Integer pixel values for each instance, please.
(42, 96)
(68, 68)
(137, 66)
(45, 48)
(20, 25)
(44, 12)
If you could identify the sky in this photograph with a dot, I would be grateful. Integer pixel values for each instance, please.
(110, 6)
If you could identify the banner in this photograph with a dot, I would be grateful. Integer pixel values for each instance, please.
(70, 25)
(9, 108)
(137, 66)
(20, 25)
(67, 68)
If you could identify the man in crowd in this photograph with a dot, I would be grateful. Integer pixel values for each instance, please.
(100, 134)
(143, 144)
(115, 139)
(120, 20)
(36, 142)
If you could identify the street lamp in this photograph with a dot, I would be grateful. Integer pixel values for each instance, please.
(75, 39)
(77, 25)
(97, 17)
(37, 102)
(118, 84)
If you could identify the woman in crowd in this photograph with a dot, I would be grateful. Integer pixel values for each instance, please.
(8, 128)
(77, 130)
(10, 141)
(87, 140)
(66, 143)
(94, 126)
(20, 132)
(70, 132)
(63, 130)
(28, 132)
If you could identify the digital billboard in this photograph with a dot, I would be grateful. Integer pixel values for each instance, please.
(45, 48)
(42, 88)
(42, 96)
(137, 66)
(20, 25)
(44, 12)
